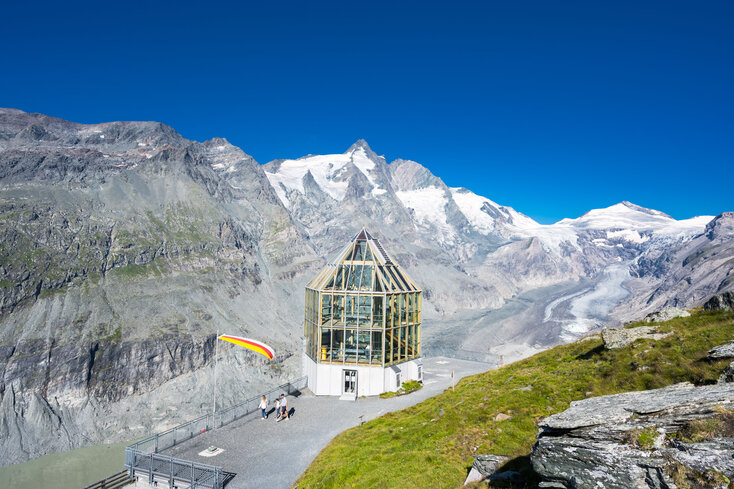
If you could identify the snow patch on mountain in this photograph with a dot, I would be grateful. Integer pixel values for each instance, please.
(483, 213)
(627, 235)
(471, 204)
(327, 170)
(624, 215)
(428, 205)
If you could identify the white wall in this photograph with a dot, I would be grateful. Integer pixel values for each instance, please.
(326, 380)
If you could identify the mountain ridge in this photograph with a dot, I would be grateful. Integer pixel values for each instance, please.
(114, 235)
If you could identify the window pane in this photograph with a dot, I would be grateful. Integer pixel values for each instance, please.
(411, 349)
(339, 282)
(395, 310)
(365, 308)
(353, 277)
(363, 346)
(376, 348)
(325, 308)
(350, 346)
(337, 345)
(330, 285)
(367, 278)
(377, 311)
(338, 309)
(325, 353)
(350, 312)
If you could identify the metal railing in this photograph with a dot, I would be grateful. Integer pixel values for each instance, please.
(146, 451)
(114, 481)
(175, 471)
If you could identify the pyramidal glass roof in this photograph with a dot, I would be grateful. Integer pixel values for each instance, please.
(363, 265)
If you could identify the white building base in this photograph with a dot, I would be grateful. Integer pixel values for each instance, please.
(326, 379)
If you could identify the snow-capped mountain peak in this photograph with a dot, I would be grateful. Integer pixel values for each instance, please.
(623, 215)
(330, 172)
(483, 214)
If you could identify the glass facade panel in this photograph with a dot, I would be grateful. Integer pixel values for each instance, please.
(338, 314)
(362, 309)
(395, 310)
(325, 352)
(363, 347)
(350, 312)
(376, 348)
(325, 308)
(337, 345)
(377, 311)
(366, 278)
(359, 251)
(350, 346)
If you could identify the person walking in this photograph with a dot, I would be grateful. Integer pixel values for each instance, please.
(263, 406)
(283, 408)
(277, 409)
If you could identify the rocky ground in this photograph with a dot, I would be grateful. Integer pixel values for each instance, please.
(661, 438)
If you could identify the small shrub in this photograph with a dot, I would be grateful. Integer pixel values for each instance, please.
(686, 478)
(407, 388)
(698, 430)
(646, 438)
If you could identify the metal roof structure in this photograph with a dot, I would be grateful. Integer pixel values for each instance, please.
(352, 269)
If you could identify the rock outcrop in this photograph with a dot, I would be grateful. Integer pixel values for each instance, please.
(720, 302)
(666, 314)
(727, 375)
(649, 439)
(484, 467)
(722, 351)
(621, 337)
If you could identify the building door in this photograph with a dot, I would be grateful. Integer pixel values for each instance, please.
(350, 381)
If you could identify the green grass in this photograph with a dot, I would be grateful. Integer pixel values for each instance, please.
(646, 438)
(419, 448)
(407, 388)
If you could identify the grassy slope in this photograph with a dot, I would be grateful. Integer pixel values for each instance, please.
(432, 443)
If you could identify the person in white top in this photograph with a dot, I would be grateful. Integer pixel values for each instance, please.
(277, 408)
(263, 406)
(283, 408)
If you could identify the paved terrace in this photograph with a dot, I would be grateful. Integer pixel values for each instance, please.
(273, 454)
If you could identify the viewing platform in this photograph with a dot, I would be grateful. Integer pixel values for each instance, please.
(254, 453)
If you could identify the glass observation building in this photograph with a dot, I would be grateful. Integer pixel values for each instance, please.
(362, 323)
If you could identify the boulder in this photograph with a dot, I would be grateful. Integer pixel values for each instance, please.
(727, 375)
(666, 314)
(620, 337)
(722, 351)
(631, 440)
(720, 302)
(484, 467)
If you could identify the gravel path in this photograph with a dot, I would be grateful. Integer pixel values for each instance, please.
(273, 454)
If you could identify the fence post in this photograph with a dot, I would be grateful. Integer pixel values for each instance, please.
(170, 475)
(150, 472)
(156, 443)
(193, 481)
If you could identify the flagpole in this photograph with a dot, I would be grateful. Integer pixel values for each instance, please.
(216, 360)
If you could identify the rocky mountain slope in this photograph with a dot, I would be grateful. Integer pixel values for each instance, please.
(125, 248)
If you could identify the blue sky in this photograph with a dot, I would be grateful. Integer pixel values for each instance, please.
(553, 108)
